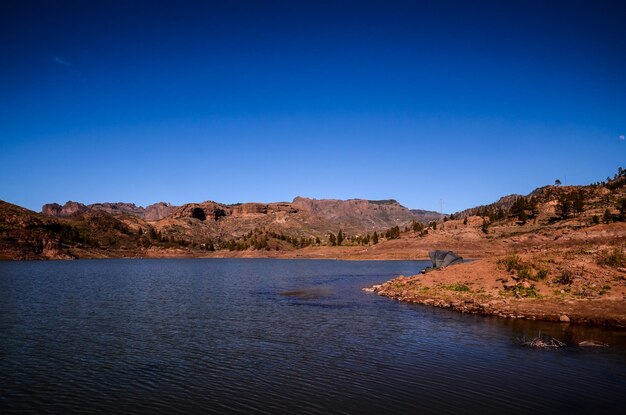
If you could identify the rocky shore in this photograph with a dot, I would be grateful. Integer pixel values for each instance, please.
(482, 287)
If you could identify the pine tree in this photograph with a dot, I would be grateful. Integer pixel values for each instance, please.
(564, 207)
(622, 210)
(332, 240)
(519, 209)
(375, 238)
(578, 202)
(607, 217)
(499, 215)
(339, 237)
(485, 227)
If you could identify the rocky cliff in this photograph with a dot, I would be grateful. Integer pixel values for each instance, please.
(153, 212)
(68, 209)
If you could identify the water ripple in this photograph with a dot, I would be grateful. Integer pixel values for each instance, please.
(268, 337)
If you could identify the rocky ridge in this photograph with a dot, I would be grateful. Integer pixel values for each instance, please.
(152, 212)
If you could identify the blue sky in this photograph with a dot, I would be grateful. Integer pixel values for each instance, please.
(264, 101)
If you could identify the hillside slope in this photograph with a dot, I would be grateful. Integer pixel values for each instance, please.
(556, 254)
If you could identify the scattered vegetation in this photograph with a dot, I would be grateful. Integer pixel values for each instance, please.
(417, 226)
(511, 262)
(525, 292)
(524, 271)
(393, 233)
(570, 204)
(615, 257)
(524, 209)
(459, 287)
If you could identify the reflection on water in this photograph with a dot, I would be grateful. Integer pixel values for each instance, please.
(276, 336)
(308, 293)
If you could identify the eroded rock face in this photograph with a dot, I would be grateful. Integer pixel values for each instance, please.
(250, 209)
(211, 210)
(152, 212)
(158, 211)
(118, 208)
(68, 209)
(262, 209)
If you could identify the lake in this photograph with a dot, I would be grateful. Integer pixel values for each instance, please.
(276, 336)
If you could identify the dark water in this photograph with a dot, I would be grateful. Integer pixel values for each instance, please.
(275, 336)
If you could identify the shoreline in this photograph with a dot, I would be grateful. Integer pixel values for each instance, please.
(444, 289)
(204, 257)
(527, 309)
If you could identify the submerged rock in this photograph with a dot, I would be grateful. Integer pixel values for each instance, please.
(592, 343)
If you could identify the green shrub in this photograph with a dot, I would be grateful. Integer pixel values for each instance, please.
(511, 262)
(530, 292)
(566, 278)
(614, 258)
(458, 287)
(525, 273)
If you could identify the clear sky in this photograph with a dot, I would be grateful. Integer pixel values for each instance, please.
(238, 101)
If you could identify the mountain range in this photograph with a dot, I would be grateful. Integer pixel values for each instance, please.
(116, 229)
(305, 227)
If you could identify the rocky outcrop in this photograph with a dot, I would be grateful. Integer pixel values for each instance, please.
(158, 211)
(119, 208)
(152, 212)
(68, 209)
(250, 209)
(245, 209)
(210, 210)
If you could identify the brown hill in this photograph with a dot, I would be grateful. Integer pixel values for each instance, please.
(85, 233)
(427, 216)
(358, 215)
